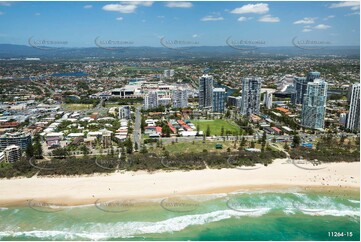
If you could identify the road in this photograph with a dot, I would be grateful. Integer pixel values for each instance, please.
(36, 81)
(137, 130)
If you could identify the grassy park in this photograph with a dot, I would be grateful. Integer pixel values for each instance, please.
(215, 126)
(76, 106)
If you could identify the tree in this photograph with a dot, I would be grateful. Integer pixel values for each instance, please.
(129, 146)
(142, 124)
(143, 150)
(243, 143)
(263, 141)
(253, 144)
(342, 139)
(84, 149)
(135, 146)
(60, 153)
(166, 130)
(38, 149)
(112, 152)
(208, 131)
(285, 146)
(296, 141)
(222, 131)
(29, 150)
(198, 129)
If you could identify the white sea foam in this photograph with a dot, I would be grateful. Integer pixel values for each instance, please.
(338, 213)
(131, 229)
(353, 201)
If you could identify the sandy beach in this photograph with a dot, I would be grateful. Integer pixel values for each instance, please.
(142, 185)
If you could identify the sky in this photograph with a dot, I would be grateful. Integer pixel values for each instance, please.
(91, 24)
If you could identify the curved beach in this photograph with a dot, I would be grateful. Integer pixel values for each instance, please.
(143, 185)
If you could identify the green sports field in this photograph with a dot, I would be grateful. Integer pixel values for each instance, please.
(216, 126)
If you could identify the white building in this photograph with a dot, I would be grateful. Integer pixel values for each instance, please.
(314, 105)
(205, 91)
(353, 117)
(12, 153)
(2, 157)
(251, 94)
(343, 118)
(219, 94)
(168, 73)
(180, 98)
(150, 100)
(164, 101)
(124, 112)
(268, 99)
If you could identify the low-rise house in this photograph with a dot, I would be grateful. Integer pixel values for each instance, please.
(75, 135)
(277, 130)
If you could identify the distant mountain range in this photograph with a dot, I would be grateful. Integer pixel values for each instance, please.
(9, 51)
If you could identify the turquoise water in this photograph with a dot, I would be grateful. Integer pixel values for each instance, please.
(260, 215)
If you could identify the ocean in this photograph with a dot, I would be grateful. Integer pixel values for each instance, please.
(244, 215)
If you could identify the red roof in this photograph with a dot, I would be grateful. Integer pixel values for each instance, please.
(172, 128)
(150, 127)
(158, 129)
(184, 125)
(276, 129)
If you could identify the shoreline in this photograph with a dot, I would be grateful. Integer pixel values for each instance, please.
(141, 185)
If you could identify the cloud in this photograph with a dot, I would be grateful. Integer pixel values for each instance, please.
(195, 35)
(160, 16)
(242, 19)
(126, 7)
(322, 26)
(140, 3)
(2, 13)
(37, 14)
(305, 21)
(268, 19)
(88, 6)
(211, 18)
(329, 17)
(351, 14)
(179, 4)
(259, 8)
(306, 30)
(355, 5)
(119, 18)
(120, 8)
(7, 4)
